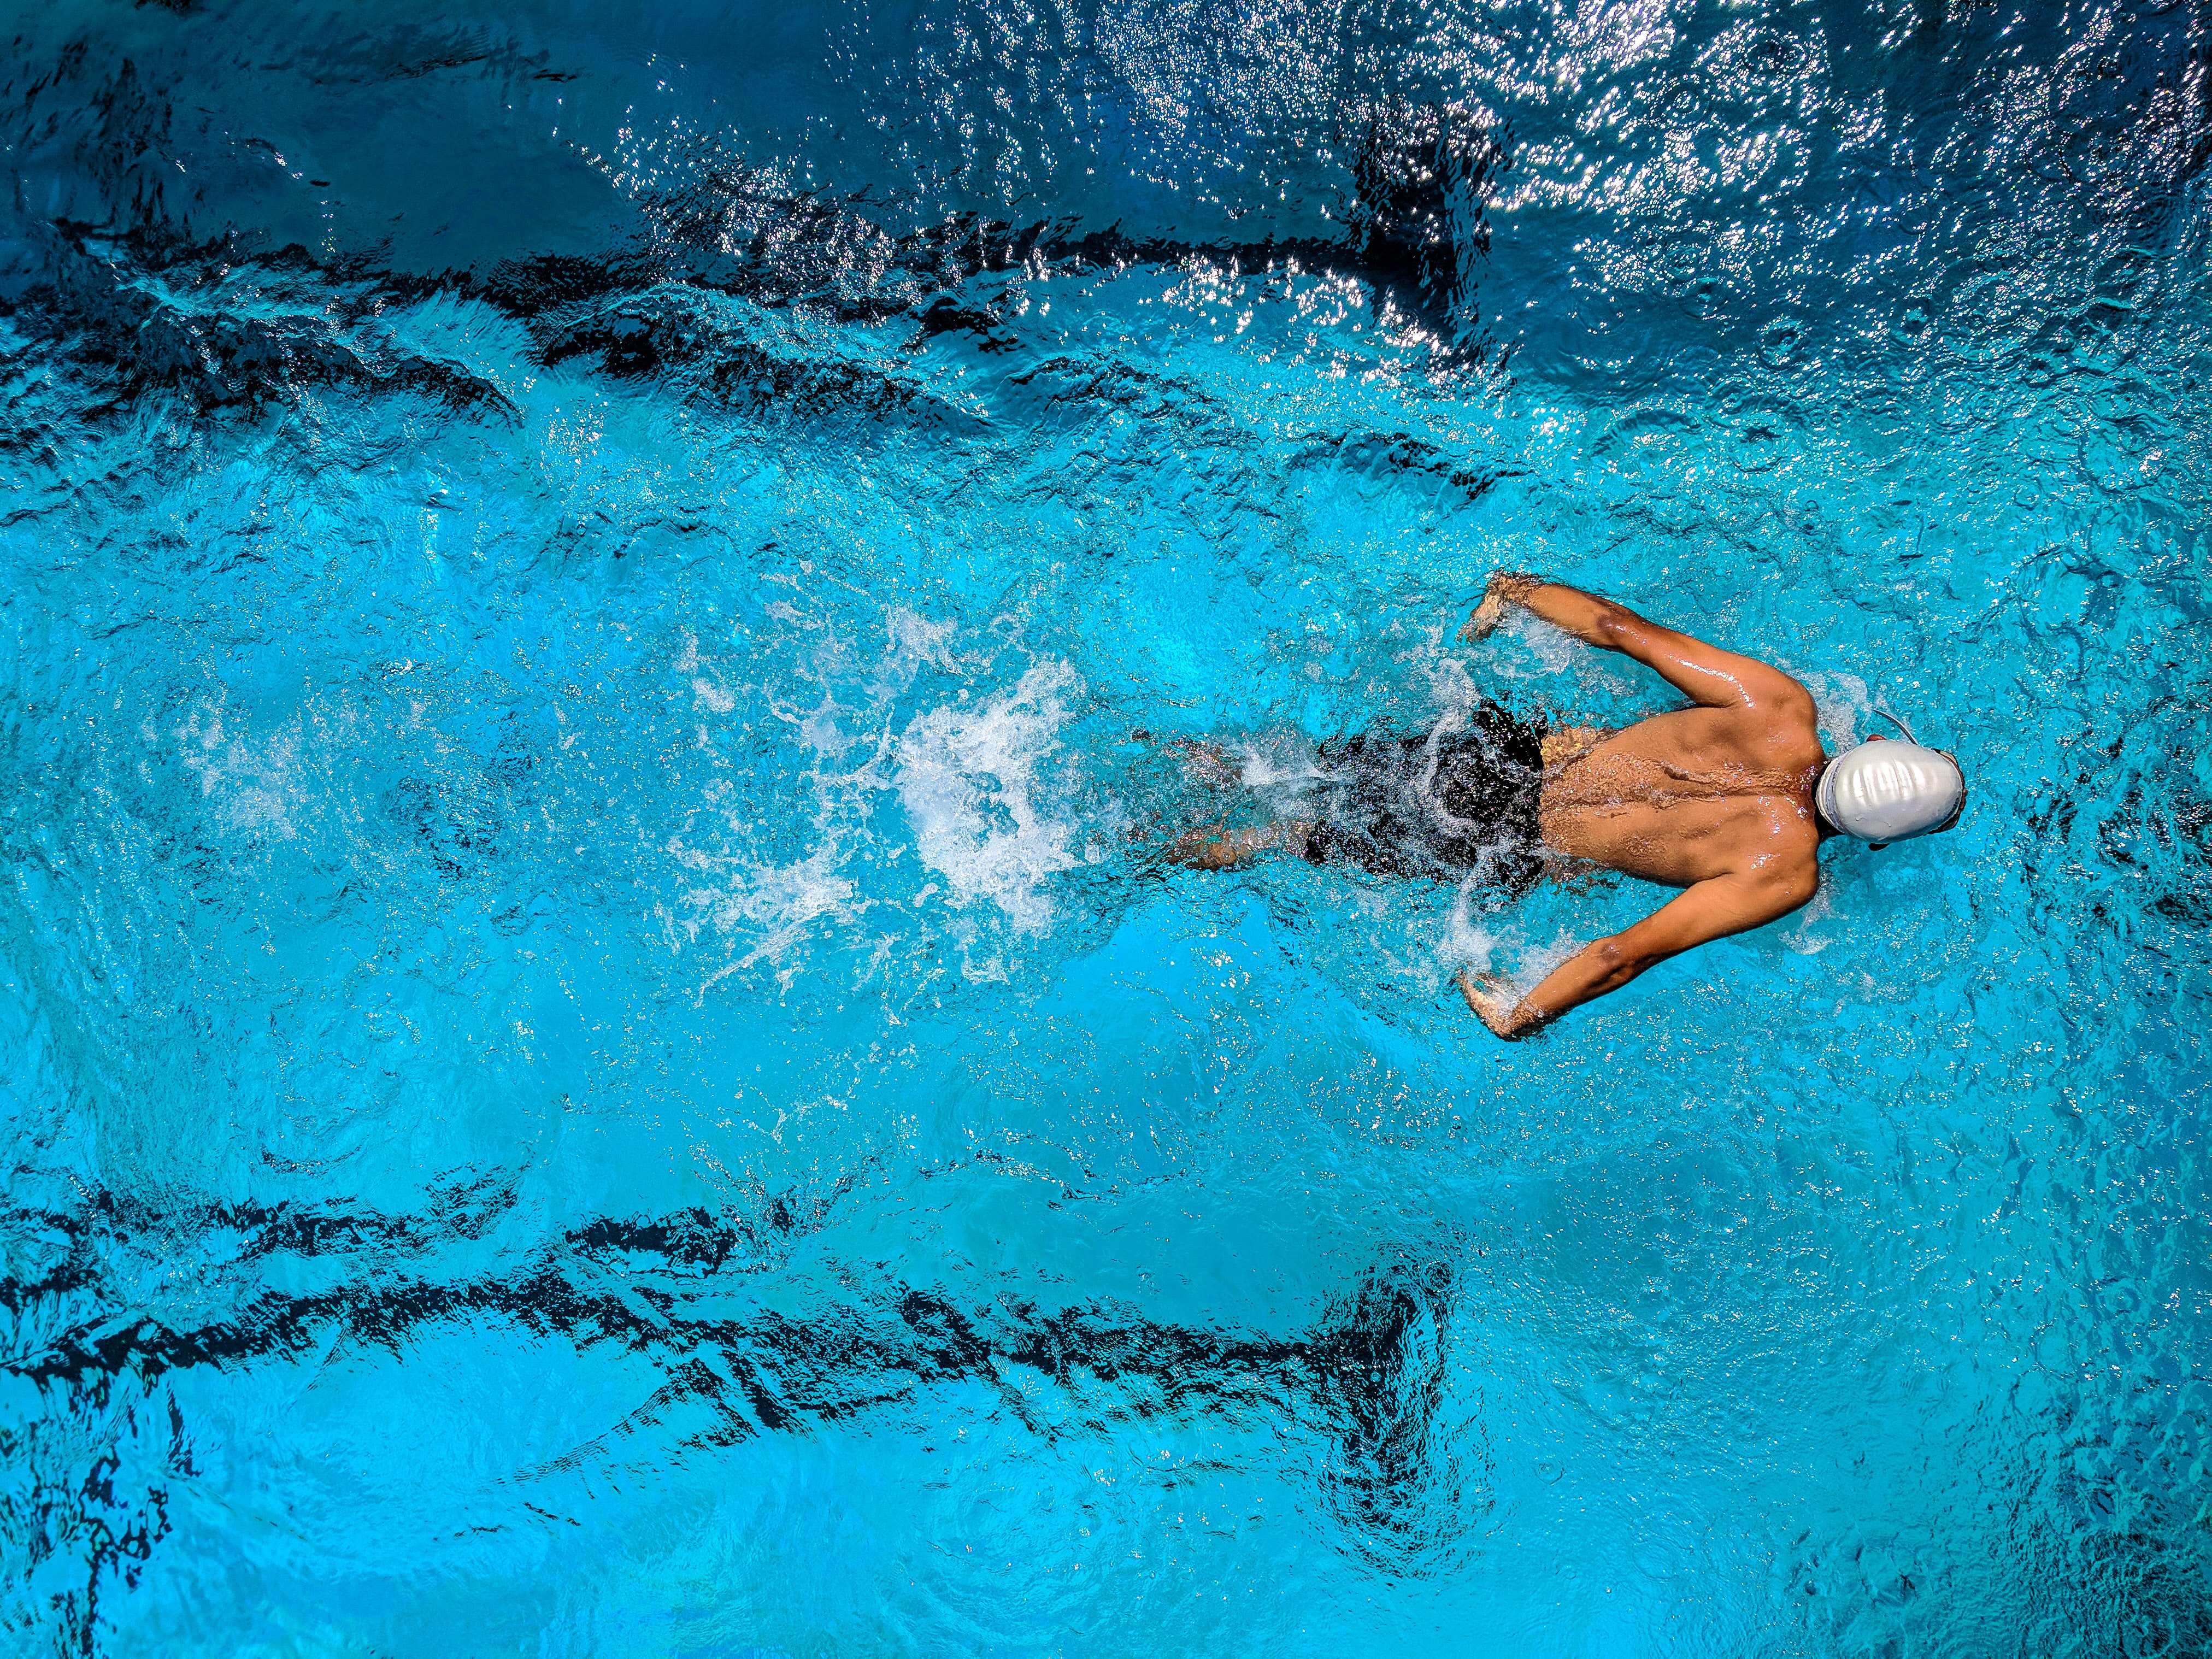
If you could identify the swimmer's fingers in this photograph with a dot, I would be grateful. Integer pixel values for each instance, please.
(1488, 615)
(1506, 586)
(1491, 997)
(1475, 988)
(1486, 986)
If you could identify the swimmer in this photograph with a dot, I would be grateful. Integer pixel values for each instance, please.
(1728, 799)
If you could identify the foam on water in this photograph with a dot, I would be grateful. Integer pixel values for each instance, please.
(969, 779)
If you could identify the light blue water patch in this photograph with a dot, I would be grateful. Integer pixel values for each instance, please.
(599, 1057)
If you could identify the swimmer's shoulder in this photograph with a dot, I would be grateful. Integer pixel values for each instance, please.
(1777, 868)
(1794, 715)
(1780, 730)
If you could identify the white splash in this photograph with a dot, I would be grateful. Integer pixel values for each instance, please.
(1465, 942)
(774, 906)
(1841, 699)
(912, 638)
(1551, 645)
(1806, 937)
(1452, 687)
(968, 779)
(1276, 763)
(254, 783)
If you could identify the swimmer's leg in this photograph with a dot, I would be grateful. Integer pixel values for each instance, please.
(1201, 762)
(1220, 848)
(1208, 761)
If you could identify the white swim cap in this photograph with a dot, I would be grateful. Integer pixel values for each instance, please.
(1888, 790)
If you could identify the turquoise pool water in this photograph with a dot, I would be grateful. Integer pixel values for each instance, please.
(595, 1061)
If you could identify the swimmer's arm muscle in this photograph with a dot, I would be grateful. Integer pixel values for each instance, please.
(1703, 673)
(1709, 910)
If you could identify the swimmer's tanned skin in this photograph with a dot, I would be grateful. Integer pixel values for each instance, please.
(1716, 800)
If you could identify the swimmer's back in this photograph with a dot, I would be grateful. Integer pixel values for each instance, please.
(1693, 793)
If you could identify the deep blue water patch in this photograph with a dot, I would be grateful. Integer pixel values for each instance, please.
(595, 604)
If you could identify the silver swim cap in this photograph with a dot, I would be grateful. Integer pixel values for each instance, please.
(1887, 791)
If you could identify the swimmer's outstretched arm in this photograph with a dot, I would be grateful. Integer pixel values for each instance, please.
(1733, 903)
(1704, 674)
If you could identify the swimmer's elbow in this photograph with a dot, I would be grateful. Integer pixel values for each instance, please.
(1791, 892)
(1617, 961)
(1616, 627)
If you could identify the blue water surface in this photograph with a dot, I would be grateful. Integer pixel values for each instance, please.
(597, 1055)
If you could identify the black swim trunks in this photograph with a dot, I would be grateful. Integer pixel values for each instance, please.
(1437, 807)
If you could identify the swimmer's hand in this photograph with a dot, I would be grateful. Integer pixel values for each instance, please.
(1492, 996)
(1506, 587)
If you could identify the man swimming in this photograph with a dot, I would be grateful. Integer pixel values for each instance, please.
(1728, 799)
